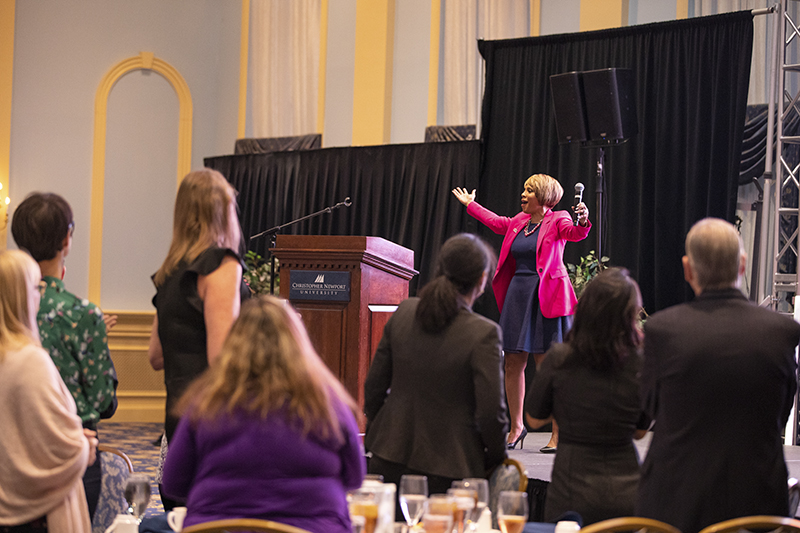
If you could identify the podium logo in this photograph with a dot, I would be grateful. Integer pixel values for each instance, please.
(320, 285)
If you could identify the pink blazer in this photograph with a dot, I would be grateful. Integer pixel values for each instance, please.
(556, 295)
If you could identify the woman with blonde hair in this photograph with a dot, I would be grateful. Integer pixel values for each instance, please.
(267, 431)
(199, 287)
(44, 447)
(531, 284)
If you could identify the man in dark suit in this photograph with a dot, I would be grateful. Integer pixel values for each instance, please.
(719, 379)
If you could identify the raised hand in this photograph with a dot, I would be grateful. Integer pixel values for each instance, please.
(583, 213)
(110, 320)
(463, 196)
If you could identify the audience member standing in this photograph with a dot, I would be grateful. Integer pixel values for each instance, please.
(434, 392)
(43, 447)
(719, 379)
(199, 287)
(531, 285)
(72, 329)
(590, 385)
(269, 432)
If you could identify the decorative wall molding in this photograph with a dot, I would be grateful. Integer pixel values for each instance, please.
(140, 406)
(141, 392)
(323, 64)
(244, 54)
(144, 61)
(433, 66)
(7, 10)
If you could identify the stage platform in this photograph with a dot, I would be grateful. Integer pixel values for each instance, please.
(540, 464)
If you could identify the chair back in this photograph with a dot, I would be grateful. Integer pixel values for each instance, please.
(242, 524)
(115, 468)
(508, 476)
(781, 524)
(630, 523)
(794, 497)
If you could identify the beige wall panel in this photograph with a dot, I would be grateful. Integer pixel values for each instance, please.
(141, 392)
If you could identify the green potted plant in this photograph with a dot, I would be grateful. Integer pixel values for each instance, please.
(583, 272)
(258, 273)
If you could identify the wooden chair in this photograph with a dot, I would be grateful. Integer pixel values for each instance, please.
(242, 524)
(755, 523)
(115, 468)
(515, 477)
(630, 523)
(794, 497)
(103, 448)
(510, 476)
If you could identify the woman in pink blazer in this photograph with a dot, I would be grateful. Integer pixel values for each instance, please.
(531, 284)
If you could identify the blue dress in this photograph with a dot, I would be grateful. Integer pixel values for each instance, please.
(525, 329)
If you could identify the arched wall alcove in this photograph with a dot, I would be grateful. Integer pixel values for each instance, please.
(146, 61)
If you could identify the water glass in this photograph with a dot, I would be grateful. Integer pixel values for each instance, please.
(512, 511)
(481, 486)
(413, 494)
(363, 507)
(463, 508)
(438, 517)
(137, 494)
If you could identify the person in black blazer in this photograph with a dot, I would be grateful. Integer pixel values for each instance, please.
(433, 397)
(590, 385)
(719, 378)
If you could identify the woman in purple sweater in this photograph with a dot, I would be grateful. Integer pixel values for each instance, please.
(268, 432)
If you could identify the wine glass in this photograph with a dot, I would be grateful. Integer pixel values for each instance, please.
(464, 505)
(438, 516)
(137, 494)
(512, 511)
(481, 486)
(363, 507)
(413, 497)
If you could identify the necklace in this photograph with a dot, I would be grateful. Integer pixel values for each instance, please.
(528, 231)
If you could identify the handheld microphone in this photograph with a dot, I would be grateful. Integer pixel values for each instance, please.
(578, 198)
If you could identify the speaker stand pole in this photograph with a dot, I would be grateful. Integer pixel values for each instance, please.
(599, 190)
(273, 240)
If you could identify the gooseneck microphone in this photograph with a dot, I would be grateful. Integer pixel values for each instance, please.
(347, 202)
(578, 199)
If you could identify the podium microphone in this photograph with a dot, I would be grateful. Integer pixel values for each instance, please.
(578, 199)
(274, 231)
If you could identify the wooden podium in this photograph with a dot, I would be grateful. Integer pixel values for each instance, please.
(344, 328)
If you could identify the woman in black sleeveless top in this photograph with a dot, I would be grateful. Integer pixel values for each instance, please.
(199, 287)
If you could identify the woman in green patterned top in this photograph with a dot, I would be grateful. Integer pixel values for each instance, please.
(71, 329)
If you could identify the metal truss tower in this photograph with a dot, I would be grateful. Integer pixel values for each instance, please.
(786, 74)
(787, 213)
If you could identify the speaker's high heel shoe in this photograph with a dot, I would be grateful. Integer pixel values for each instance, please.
(520, 440)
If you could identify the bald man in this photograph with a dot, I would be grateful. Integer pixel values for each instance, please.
(719, 379)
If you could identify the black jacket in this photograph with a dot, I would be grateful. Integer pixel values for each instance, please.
(719, 379)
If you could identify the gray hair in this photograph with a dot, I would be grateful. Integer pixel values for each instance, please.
(715, 250)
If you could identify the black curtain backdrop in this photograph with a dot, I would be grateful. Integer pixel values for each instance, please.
(399, 192)
(691, 97)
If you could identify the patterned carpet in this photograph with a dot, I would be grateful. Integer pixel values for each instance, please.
(136, 441)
